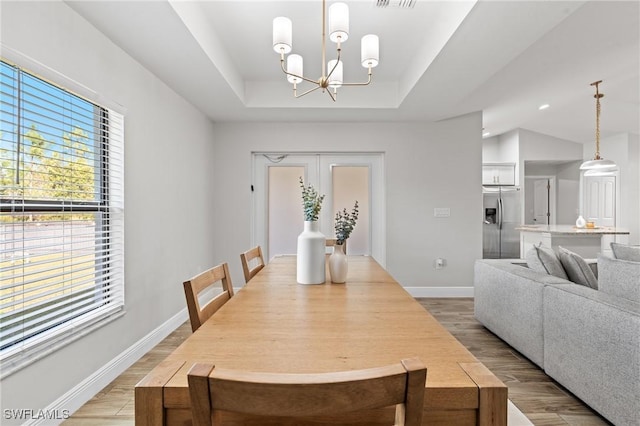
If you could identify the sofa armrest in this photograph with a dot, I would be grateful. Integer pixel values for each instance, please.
(592, 347)
(619, 278)
(508, 301)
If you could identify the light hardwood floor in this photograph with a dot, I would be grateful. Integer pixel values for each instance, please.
(540, 398)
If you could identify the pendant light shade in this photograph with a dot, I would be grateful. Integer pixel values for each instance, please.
(601, 172)
(282, 34)
(598, 163)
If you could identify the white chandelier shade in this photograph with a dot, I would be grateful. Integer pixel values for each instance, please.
(335, 77)
(338, 22)
(294, 68)
(332, 72)
(282, 34)
(370, 51)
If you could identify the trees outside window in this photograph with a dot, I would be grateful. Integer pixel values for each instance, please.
(61, 214)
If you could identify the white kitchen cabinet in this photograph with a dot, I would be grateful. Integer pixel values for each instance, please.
(499, 174)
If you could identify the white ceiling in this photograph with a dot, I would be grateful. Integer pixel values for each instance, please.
(439, 59)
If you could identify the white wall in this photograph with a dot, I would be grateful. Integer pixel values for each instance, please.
(568, 193)
(539, 147)
(567, 189)
(426, 165)
(634, 189)
(491, 150)
(503, 149)
(168, 191)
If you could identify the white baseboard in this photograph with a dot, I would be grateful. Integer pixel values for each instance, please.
(440, 291)
(89, 387)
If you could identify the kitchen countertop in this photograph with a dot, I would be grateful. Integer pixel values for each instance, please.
(572, 230)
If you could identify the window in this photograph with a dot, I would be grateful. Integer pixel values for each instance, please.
(61, 216)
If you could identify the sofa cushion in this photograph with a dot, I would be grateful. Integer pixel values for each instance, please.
(577, 268)
(626, 252)
(543, 259)
(619, 277)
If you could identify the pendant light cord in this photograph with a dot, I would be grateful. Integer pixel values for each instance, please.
(598, 95)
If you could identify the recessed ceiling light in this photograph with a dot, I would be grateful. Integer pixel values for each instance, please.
(544, 106)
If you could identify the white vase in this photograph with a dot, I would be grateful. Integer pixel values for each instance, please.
(580, 222)
(311, 255)
(338, 265)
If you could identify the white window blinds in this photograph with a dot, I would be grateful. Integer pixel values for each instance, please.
(61, 214)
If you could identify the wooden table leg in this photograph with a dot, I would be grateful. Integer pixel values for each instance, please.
(149, 402)
(493, 394)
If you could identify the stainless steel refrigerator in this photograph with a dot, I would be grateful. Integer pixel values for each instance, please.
(501, 210)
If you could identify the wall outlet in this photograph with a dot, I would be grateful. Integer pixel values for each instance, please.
(439, 263)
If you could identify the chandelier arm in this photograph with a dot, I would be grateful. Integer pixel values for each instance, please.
(336, 64)
(360, 84)
(308, 91)
(333, 98)
(284, 70)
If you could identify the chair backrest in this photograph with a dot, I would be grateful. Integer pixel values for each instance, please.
(247, 257)
(332, 242)
(197, 284)
(302, 395)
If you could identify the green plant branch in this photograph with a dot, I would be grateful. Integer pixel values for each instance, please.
(311, 202)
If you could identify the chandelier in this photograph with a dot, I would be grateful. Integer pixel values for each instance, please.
(338, 33)
(598, 166)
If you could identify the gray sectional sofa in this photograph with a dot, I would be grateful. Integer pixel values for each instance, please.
(586, 339)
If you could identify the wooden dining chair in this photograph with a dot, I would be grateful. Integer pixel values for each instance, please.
(247, 257)
(332, 242)
(302, 395)
(201, 282)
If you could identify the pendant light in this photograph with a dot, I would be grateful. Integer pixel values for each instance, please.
(598, 163)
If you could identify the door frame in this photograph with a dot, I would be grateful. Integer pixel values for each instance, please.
(552, 195)
(321, 180)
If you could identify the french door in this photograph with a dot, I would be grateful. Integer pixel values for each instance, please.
(342, 178)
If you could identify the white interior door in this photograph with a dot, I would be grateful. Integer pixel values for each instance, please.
(343, 178)
(600, 200)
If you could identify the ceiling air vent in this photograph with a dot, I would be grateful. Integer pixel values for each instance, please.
(396, 4)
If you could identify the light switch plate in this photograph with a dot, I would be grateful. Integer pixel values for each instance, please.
(442, 212)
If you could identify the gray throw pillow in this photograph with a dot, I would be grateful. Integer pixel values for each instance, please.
(543, 259)
(577, 268)
(625, 252)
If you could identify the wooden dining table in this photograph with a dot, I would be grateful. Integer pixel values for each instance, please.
(274, 324)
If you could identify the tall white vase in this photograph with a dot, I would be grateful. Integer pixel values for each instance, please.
(311, 255)
(338, 265)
